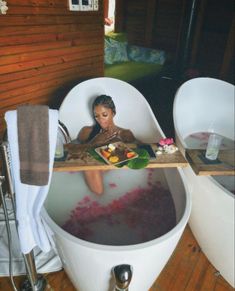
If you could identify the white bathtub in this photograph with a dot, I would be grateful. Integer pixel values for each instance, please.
(89, 265)
(204, 105)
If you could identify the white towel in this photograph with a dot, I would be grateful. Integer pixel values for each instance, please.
(45, 262)
(30, 198)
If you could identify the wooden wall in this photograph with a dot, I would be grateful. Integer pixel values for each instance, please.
(214, 41)
(45, 50)
(163, 24)
(151, 23)
(168, 23)
(138, 21)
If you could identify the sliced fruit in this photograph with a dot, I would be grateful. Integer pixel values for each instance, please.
(105, 153)
(111, 147)
(114, 159)
(130, 155)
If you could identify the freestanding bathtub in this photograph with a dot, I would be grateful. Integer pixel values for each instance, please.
(89, 264)
(201, 106)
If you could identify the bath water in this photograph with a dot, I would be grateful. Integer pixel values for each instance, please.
(199, 140)
(141, 214)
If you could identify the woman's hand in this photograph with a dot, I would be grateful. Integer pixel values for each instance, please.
(104, 137)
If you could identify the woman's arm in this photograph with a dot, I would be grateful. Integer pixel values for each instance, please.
(99, 139)
(84, 134)
(126, 135)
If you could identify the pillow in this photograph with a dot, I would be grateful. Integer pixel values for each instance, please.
(114, 51)
(146, 55)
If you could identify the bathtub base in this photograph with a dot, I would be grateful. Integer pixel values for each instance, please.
(212, 222)
(96, 273)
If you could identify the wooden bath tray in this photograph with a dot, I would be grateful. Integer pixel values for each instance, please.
(223, 166)
(78, 159)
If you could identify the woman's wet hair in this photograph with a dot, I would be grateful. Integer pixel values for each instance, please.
(106, 101)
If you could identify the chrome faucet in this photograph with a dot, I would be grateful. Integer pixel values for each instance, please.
(122, 275)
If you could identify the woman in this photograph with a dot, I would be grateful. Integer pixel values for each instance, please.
(104, 131)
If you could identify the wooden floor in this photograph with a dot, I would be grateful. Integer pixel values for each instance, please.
(187, 270)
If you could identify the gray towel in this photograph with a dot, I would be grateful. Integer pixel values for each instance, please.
(33, 140)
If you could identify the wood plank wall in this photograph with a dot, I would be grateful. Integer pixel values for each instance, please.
(168, 24)
(135, 21)
(151, 23)
(161, 24)
(216, 40)
(45, 50)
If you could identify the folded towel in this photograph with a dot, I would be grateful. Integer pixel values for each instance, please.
(32, 121)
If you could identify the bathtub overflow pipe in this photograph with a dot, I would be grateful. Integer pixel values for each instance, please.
(122, 275)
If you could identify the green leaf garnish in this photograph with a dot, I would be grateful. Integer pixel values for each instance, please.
(141, 161)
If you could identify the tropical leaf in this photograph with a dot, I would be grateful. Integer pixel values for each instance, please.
(140, 162)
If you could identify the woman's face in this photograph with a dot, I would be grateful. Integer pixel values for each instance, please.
(104, 116)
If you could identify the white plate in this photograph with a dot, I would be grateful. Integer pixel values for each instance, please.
(120, 151)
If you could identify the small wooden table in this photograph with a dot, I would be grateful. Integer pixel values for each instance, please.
(223, 166)
(78, 159)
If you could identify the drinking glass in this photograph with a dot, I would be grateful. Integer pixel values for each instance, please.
(59, 152)
(213, 146)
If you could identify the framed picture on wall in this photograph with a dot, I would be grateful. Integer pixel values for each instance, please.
(83, 5)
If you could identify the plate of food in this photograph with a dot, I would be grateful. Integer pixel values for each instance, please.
(116, 153)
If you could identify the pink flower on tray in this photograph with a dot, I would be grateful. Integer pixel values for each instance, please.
(166, 141)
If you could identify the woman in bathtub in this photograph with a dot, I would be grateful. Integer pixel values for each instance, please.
(102, 132)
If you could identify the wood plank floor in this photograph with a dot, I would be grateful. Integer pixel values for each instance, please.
(187, 270)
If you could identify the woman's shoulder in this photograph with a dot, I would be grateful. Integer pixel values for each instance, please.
(84, 133)
(126, 135)
(86, 129)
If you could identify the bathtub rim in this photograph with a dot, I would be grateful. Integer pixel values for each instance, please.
(222, 188)
(175, 230)
(210, 178)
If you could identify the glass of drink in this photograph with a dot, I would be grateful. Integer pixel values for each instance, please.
(213, 146)
(59, 152)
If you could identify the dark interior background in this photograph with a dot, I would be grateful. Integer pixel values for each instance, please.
(45, 49)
